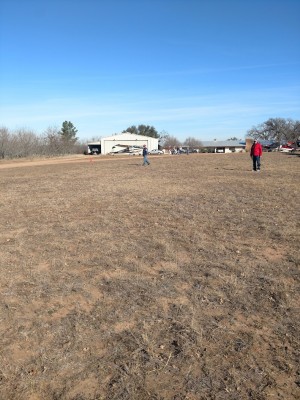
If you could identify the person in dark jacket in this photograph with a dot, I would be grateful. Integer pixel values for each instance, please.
(145, 154)
(255, 154)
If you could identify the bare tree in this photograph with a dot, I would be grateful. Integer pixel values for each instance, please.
(20, 143)
(277, 129)
(163, 137)
(5, 142)
(26, 143)
(192, 142)
(52, 141)
(172, 141)
(294, 131)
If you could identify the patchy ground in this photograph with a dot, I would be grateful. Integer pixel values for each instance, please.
(175, 281)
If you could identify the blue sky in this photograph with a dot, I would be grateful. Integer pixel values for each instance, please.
(209, 69)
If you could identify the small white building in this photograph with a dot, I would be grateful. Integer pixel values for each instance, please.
(106, 144)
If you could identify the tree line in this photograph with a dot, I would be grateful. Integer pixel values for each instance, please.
(164, 139)
(56, 142)
(53, 142)
(24, 143)
(274, 129)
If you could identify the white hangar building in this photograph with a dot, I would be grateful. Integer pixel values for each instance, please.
(129, 139)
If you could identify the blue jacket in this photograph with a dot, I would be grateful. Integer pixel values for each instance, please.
(145, 151)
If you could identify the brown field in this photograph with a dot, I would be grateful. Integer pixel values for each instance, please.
(178, 281)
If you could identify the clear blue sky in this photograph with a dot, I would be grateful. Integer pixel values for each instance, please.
(193, 68)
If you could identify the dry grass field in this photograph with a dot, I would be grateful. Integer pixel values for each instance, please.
(177, 281)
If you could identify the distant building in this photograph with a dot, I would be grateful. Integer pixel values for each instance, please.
(106, 144)
(225, 146)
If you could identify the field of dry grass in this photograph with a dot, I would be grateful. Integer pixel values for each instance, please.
(177, 281)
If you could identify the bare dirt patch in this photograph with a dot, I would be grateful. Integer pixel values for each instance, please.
(174, 281)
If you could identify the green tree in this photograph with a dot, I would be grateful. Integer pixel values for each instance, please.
(68, 132)
(144, 130)
(131, 129)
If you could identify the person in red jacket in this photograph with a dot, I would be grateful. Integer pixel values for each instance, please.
(255, 154)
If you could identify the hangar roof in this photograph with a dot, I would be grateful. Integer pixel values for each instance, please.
(128, 136)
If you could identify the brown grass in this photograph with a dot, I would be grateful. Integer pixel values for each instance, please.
(169, 282)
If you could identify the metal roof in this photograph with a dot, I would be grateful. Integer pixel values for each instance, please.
(128, 136)
(223, 143)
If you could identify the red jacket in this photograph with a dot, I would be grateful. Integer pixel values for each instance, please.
(256, 150)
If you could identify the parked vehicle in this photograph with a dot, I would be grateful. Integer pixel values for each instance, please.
(156, 151)
(271, 147)
(93, 149)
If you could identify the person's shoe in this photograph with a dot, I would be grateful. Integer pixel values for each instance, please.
(258, 170)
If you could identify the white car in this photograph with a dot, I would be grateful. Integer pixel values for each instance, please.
(156, 151)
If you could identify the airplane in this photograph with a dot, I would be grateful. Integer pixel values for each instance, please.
(125, 149)
(286, 148)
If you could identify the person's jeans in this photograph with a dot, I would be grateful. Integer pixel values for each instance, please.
(146, 162)
(256, 163)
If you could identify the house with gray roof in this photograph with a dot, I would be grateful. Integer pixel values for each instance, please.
(224, 146)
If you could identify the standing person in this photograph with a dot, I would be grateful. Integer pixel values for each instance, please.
(255, 154)
(145, 154)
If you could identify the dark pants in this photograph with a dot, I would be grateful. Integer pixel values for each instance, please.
(256, 163)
